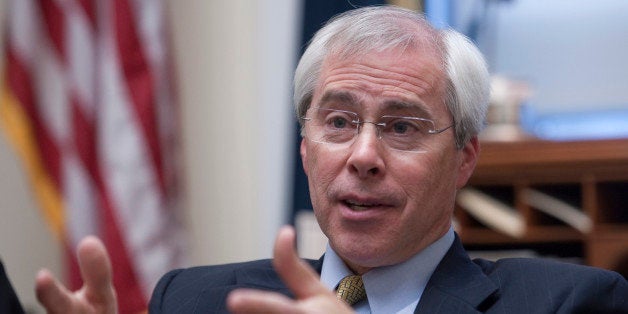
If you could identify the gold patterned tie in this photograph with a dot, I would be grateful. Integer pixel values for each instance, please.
(351, 289)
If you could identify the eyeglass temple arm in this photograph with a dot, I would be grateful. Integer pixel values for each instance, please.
(437, 131)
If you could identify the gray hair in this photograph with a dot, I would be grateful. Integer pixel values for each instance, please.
(381, 28)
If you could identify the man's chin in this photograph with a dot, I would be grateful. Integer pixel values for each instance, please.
(361, 257)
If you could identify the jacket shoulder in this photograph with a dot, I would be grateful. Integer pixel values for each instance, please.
(180, 290)
(204, 289)
(562, 287)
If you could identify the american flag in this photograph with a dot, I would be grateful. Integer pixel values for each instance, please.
(87, 102)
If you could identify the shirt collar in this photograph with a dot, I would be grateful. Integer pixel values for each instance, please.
(391, 289)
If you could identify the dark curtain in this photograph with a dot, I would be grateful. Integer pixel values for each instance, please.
(315, 14)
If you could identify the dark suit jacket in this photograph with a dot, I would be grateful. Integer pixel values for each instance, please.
(9, 302)
(458, 285)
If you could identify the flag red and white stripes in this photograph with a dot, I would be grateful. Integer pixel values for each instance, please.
(86, 101)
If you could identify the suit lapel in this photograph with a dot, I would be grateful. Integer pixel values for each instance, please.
(457, 285)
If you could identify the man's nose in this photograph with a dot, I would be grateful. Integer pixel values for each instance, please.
(367, 151)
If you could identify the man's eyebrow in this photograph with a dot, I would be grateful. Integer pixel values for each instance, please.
(349, 100)
(415, 108)
(344, 97)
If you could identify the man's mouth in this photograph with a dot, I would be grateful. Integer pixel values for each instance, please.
(361, 206)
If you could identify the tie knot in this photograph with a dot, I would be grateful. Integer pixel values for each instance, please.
(351, 289)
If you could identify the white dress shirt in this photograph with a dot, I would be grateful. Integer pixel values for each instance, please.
(390, 289)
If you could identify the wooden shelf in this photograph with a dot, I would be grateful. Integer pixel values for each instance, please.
(588, 175)
(553, 162)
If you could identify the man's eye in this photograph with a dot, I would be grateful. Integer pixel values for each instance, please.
(339, 123)
(400, 127)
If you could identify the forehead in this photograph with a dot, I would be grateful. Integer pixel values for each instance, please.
(404, 80)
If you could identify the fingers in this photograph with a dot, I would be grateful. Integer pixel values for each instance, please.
(52, 294)
(300, 278)
(96, 270)
(96, 295)
(257, 301)
(311, 295)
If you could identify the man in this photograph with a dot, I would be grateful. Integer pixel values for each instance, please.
(390, 111)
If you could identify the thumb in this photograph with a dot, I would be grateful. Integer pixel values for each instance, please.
(96, 271)
(300, 278)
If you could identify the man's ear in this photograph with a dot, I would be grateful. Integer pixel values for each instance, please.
(469, 156)
(303, 151)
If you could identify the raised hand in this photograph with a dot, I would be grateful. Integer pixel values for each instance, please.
(311, 295)
(97, 294)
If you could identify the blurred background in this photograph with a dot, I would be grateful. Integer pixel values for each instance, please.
(230, 173)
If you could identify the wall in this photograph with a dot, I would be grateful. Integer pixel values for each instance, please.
(572, 52)
(235, 61)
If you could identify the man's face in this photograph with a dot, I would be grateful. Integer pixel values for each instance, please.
(379, 206)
